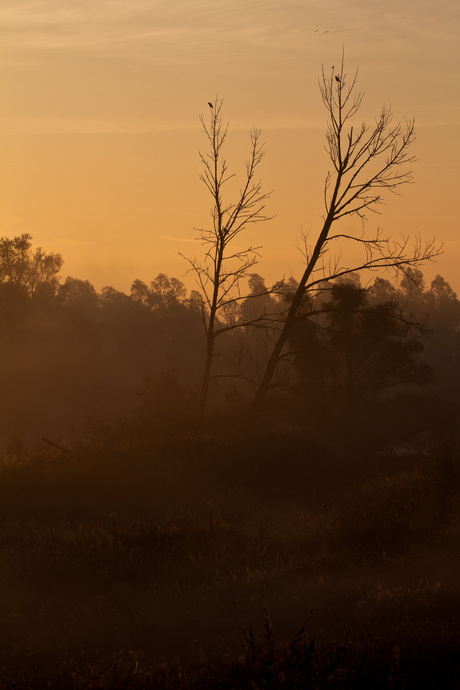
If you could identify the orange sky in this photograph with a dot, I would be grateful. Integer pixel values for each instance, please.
(100, 121)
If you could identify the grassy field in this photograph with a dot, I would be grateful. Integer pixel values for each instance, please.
(219, 561)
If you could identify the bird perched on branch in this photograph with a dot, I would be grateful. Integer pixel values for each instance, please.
(338, 79)
(210, 105)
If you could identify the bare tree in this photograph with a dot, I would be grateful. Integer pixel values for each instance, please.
(367, 161)
(225, 264)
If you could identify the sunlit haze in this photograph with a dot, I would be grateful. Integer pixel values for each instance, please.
(101, 132)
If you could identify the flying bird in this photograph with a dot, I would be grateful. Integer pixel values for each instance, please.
(210, 104)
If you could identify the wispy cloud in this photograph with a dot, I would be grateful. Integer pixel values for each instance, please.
(131, 27)
(71, 125)
(170, 238)
(83, 25)
(113, 126)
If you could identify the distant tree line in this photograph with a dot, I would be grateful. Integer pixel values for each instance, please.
(67, 351)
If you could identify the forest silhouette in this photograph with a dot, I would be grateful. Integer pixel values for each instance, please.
(138, 544)
(243, 485)
(71, 354)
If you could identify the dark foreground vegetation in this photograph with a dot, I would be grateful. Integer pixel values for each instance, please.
(228, 561)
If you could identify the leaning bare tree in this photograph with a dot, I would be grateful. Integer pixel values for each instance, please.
(225, 264)
(367, 161)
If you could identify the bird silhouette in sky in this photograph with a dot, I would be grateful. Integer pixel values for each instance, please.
(337, 79)
(210, 104)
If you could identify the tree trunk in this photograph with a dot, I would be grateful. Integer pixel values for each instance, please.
(274, 358)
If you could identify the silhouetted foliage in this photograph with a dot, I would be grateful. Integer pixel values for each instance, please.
(31, 273)
(355, 349)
